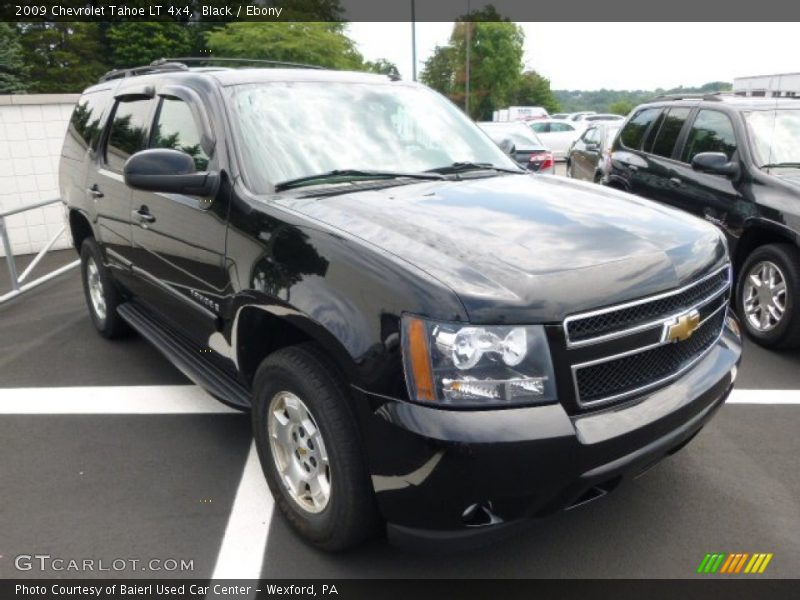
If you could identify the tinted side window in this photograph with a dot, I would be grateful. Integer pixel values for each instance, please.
(712, 131)
(85, 124)
(668, 133)
(128, 131)
(561, 127)
(540, 127)
(634, 131)
(176, 129)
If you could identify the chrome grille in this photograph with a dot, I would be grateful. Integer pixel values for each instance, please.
(617, 378)
(625, 350)
(604, 323)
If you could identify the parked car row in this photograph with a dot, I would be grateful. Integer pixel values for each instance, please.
(732, 161)
(525, 146)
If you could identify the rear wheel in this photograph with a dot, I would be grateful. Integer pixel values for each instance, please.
(768, 292)
(309, 446)
(102, 294)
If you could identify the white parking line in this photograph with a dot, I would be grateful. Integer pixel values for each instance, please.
(764, 397)
(242, 551)
(110, 400)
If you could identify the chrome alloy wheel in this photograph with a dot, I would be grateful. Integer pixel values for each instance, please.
(299, 452)
(764, 296)
(96, 289)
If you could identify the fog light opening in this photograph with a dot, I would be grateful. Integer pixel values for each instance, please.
(594, 493)
(480, 514)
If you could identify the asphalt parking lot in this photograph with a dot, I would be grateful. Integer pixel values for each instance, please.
(110, 453)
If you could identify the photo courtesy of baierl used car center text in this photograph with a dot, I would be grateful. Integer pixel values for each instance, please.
(399, 299)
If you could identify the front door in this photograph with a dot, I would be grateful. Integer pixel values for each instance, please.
(179, 240)
(711, 197)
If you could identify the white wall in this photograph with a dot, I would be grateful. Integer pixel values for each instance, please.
(32, 129)
(784, 83)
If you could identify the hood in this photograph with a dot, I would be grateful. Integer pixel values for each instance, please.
(527, 248)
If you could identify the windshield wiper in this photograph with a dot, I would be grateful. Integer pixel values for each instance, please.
(790, 165)
(347, 173)
(461, 167)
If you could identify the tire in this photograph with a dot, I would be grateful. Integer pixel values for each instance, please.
(101, 292)
(769, 331)
(349, 515)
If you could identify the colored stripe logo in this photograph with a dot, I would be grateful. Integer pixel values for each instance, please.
(731, 564)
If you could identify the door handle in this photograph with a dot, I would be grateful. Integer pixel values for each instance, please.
(143, 215)
(675, 182)
(95, 192)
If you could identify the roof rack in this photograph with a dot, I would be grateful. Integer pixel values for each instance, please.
(185, 60)
(152, 68)
(713, 97)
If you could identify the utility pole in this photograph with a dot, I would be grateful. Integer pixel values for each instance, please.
(467, 36)
(413, 42)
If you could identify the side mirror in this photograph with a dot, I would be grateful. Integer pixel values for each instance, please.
(592, 146)
(507, 146)
(169, 171)
(716, 163)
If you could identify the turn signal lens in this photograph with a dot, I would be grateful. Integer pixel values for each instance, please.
(419, 357)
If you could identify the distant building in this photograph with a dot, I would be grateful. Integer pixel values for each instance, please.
(782, 85)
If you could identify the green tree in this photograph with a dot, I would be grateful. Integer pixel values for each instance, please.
(62, 57)
(383, 66)
(621, 107)
(534, 90)
(324, 44)
(135, 43)
(13, 74)
(495, 63)
(438, 71)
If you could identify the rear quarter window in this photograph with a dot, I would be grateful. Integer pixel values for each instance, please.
(633, 133)
(86, 124)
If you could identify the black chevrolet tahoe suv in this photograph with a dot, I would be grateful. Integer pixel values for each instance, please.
(734, 161)
(430, 338)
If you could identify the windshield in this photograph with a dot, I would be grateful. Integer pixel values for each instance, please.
(290, 130)
(775, 136)
(519, 133)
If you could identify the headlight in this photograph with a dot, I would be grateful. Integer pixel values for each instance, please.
(476, 366)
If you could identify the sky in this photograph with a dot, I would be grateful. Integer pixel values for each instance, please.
(621, 56)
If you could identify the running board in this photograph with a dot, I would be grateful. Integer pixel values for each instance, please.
(186, 356)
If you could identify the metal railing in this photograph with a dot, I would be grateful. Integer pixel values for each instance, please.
(18, 284)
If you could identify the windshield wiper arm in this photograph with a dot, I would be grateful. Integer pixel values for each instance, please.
(360, 173)
(460, 167)
(795, 165)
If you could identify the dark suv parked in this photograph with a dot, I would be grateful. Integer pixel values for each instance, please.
(428, 335)
(735, 162)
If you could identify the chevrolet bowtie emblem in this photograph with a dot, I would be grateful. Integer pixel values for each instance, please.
(682, 328)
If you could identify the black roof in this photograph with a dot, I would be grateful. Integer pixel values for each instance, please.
(726, 99)
(231, 71)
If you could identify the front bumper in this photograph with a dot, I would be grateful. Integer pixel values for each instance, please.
(439, 472)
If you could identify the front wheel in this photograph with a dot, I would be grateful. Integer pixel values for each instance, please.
(768, 291)
(310, 450)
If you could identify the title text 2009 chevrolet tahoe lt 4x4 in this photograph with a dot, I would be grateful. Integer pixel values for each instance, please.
(428, 336)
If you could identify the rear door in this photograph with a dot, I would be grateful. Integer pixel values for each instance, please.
(126, 134)
(657, 180)
(179, 240)
(629, 161)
